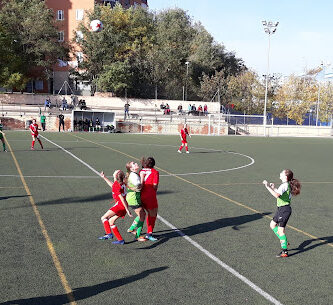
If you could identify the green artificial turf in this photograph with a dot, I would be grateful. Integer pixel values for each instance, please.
(226, 211)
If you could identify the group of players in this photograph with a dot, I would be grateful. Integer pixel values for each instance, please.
(135, 190)
(138, 192)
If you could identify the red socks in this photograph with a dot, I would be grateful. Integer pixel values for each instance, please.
(186, 148)
(181, 147)
(32, 144)
(151, 224)
(41, 145)
(116, 232)
(107, 227)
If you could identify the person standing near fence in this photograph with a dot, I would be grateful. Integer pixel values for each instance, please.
(61, 121)
(289, 187)
(42, 121)
(2, 137)
(126, 108)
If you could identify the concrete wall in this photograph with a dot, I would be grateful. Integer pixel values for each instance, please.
(18, 122)
(103, 101)
(199, 128)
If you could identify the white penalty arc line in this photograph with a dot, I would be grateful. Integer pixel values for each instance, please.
(193, 147)
(191, 241)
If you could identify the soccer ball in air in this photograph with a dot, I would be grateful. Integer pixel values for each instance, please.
(96, 26)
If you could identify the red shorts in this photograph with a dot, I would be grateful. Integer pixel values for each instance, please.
(119, 210)
(149, 202)
(184, 142)
(35, 135)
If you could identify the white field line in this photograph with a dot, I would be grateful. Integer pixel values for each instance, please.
(70, 177)
(191, 241)
(164, 145)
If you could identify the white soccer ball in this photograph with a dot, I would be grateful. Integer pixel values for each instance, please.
(96, 26)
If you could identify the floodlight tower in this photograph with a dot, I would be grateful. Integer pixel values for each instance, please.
(186, 83)
(270, 28)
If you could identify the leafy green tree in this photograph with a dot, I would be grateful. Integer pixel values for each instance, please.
(126, 37)
(10, 63)
(211, 84)
(115, 78)
(295, 98)
(246, 92)
(156, 47)
(32, 35)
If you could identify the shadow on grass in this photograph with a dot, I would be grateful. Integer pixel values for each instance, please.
(206, 152)
(310, 244)
(15, 196)
(105, 196)
(233, 222)
(101, 197)
(166, 192)
(70, 200)
(85, 292)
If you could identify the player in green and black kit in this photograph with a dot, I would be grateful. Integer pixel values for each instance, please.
(1, 137)
(133, 199)
(289, 187)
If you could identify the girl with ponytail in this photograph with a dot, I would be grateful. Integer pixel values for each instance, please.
(289, 187)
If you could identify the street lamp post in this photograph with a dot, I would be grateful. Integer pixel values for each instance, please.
(186, 63)
(270, 28)
(318, 100)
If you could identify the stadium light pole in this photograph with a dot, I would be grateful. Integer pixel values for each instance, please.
(186, 63)
(269, 28)
(318, 100)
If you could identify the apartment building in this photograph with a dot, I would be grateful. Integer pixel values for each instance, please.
(68, 14)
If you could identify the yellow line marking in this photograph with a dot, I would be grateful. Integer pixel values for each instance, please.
(209, 191)
(49, 243)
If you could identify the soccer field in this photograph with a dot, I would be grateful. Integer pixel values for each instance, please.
(214, 242)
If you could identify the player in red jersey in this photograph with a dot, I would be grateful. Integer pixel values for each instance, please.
(183, 133)
(34, 133)
(119, 209)
(149, 180)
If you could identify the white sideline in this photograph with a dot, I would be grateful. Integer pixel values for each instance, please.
(190, 240)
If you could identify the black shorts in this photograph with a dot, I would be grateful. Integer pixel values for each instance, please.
(282, 215)
(134, 207)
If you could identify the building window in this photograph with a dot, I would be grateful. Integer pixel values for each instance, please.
(60, 15)
(79, 57)
(79, 14)
(79, 36)
(61, 36)
(39, 85)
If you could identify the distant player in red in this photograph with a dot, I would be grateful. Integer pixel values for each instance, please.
(119, 209)
(34, 133)
(149, 180)
(183, 133)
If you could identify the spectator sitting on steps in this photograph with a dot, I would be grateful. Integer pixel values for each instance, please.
(167, 109)
(189, 109)
(82, 105)
(180, 109)
(64, 104)
(205, 109)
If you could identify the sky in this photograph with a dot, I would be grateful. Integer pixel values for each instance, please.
(303, 39)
